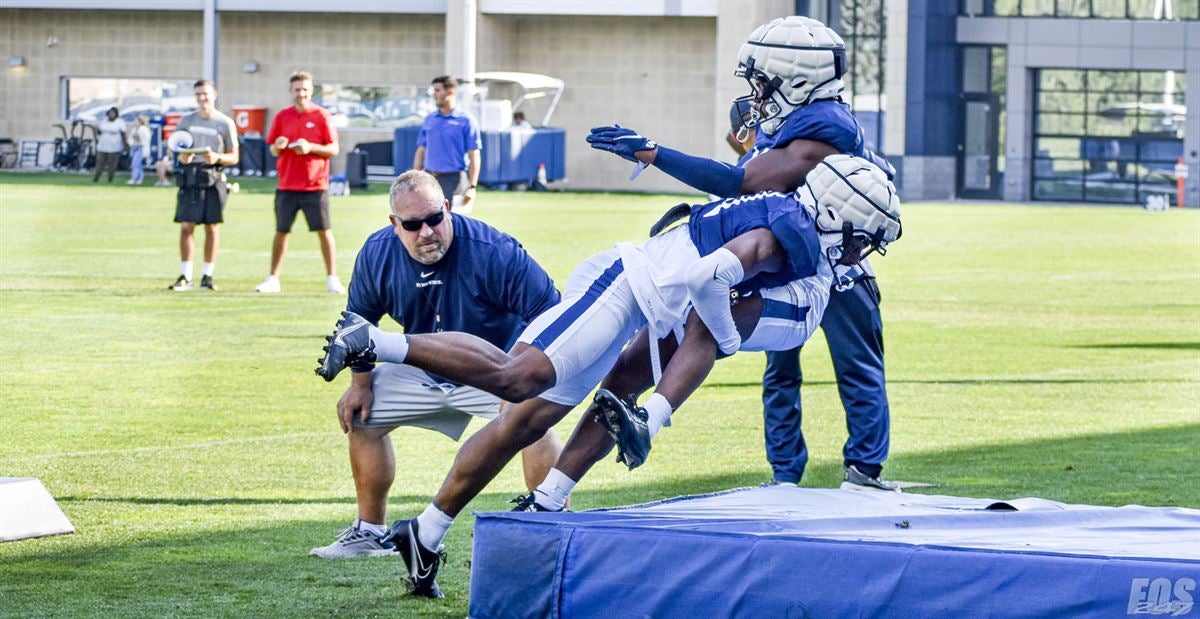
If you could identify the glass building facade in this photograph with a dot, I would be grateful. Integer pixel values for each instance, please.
(862, 24)
(1085, 9)
(1107, 136)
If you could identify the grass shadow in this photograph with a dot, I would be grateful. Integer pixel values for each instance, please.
(985, 381)
(1145, 346)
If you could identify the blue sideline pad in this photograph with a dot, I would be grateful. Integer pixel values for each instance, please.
(799, 552)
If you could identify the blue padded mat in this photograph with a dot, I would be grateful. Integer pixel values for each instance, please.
(798, 552)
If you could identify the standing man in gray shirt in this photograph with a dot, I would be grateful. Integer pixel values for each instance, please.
(202, 189)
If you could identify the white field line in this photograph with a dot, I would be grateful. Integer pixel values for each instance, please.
(151, 449)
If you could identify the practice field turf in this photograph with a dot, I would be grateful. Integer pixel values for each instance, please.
(1032, 350)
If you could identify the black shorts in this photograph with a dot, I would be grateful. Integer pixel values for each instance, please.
(452, 182)
(201, 205)
(315, 205)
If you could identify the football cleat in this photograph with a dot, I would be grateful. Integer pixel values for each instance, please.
(857, 480)
(527, 503)
(182, 284)
(422, 564)
(206, 283)
(626, 423)
(350, 345)
(354, 542)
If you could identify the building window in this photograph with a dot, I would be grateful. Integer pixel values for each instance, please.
(374, 106)
(862, 24)
(1107, 136)
(1087, 9)
(88, 98)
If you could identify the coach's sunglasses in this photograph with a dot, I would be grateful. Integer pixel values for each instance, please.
(414, 225)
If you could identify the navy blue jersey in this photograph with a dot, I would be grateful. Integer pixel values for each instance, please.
(716, 223)
(827, 121)
(485, 285)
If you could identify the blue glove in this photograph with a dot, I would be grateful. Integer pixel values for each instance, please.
(620, 140)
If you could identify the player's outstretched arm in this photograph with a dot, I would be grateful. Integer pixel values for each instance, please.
(707, 175)
(710, 279)
(784, 169)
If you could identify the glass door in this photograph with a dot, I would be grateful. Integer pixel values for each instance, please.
(977, 147)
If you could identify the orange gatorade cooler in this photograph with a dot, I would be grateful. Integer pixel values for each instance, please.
(250, 119)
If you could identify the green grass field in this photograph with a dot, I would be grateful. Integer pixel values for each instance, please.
(1032, 350)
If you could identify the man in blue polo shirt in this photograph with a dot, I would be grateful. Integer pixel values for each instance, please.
(448, 146)
(430, 271)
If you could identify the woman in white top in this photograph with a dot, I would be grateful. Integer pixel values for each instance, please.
(110, 145)
(139, 145)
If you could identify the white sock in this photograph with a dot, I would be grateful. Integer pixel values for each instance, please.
(552, 493)
(389, 347)
(371, 527)
(332, 279)
(209, 267)
(273, 278)
(659, 412)
(185, 269)
(432, 525)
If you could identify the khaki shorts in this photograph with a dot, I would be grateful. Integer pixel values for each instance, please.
(406, 396)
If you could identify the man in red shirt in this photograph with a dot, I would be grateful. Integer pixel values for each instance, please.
(304, 140)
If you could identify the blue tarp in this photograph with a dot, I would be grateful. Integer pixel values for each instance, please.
(507, 157)
(794, 552)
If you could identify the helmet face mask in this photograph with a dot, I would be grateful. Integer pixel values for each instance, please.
(759, 105)
(789, 63)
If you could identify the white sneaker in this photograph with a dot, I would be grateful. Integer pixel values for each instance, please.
(334, 285)
(857, 480)
(269, 285)
(354, 542)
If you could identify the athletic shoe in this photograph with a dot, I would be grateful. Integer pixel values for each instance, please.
(269, 285)
(182, 284)
(354, 542)
(350, 345)
(857, 480)
(422, 564)
(206, 283)
(626, 423)
(526, 503)
(334, 286)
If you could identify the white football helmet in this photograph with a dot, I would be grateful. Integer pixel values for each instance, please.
(789, 62)
(850, 195)
(179, 140)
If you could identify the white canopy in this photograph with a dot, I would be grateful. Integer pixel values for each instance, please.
(533, 85)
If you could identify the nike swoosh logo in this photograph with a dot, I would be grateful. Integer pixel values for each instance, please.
(341, 338)
(420, 570)
(427, 274)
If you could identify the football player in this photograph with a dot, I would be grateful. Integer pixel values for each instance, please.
(794, 67)
(853, 217)
(764, 240)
